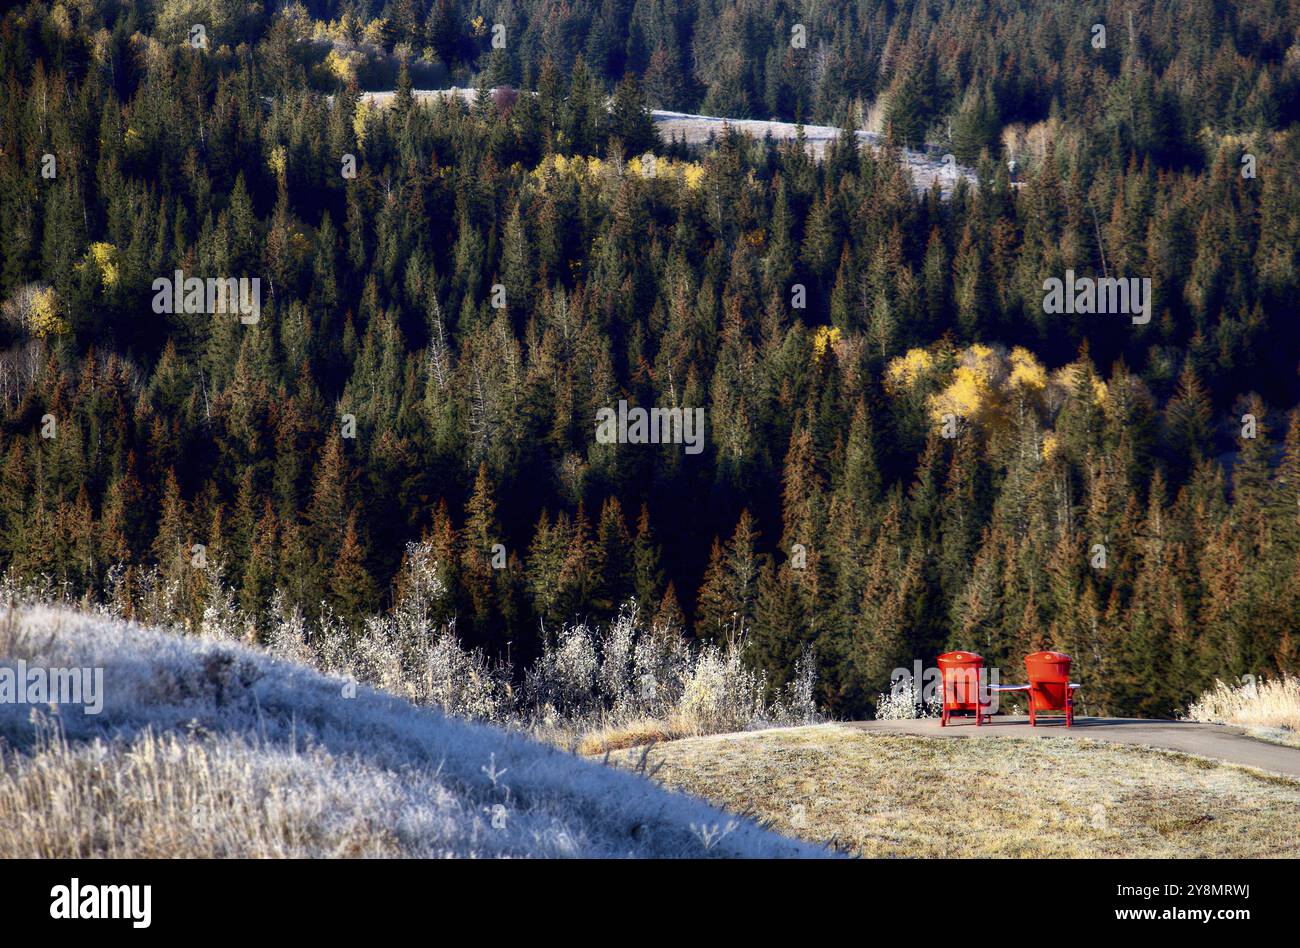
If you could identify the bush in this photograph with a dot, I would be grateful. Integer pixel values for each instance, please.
(903, 705)
(626, 677)
(1271, 703)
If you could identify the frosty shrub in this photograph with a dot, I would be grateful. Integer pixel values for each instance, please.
(626, 679)
(381, 657)
(116, 590)
(221, 617)
(903, 705)
(421, 591)
(42, 589)
(406, 652)
(897, 706)
(158, 599)
(288, 638)
(465, 683)
(616, 678)
(630, 681)
(661, 663)
(563, 681)
(798, 704)
(722, 694)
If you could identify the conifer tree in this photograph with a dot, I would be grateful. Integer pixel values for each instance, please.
(479, 536)
(647, 576)
(352, 590)
(616, 556)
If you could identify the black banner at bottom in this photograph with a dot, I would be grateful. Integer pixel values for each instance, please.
(332, 899)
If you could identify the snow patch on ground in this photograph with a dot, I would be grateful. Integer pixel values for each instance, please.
(696, 129)
(925, 169)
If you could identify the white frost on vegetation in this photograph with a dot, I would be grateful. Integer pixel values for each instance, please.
(206, 746)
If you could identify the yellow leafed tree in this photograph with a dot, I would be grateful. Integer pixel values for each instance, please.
(825, 339)
(103, 257)
(982, 387)
(45, 318)
(906, 371)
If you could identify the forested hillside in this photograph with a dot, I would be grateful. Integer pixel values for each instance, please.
(904, 452)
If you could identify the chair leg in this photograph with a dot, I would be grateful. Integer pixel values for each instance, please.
(1069, 712)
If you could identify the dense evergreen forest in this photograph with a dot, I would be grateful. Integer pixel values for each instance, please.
(904, 452)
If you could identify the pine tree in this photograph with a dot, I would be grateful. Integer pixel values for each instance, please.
(629, 120)
(258, 585)
(820, 242)
(330, 504)
(714, 609)
(352, 590)
(545, 563)
(1188, 417)
(616, 557)
(647, 576)
(779, 625)
(669, 617)
(169, 549)
(516, 266)
(729, 592)
(15, 486)
(583, 118)
(482, 532)
(663, 86)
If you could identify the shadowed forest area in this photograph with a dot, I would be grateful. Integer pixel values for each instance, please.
(904, 452)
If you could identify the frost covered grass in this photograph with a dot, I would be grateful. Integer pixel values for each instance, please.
(1269, 708)
(207, 747)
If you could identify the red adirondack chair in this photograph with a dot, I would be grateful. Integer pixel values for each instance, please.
(960, 672)
(1050, 688)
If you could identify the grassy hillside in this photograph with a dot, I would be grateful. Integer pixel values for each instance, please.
(883, 795)
(206, 748)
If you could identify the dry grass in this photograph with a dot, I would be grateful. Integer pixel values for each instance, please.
(621, 735)
(163, 796)
(632, 734)
(880, 795)
(1270, 708)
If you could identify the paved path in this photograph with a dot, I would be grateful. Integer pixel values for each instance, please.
(1218, 741)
